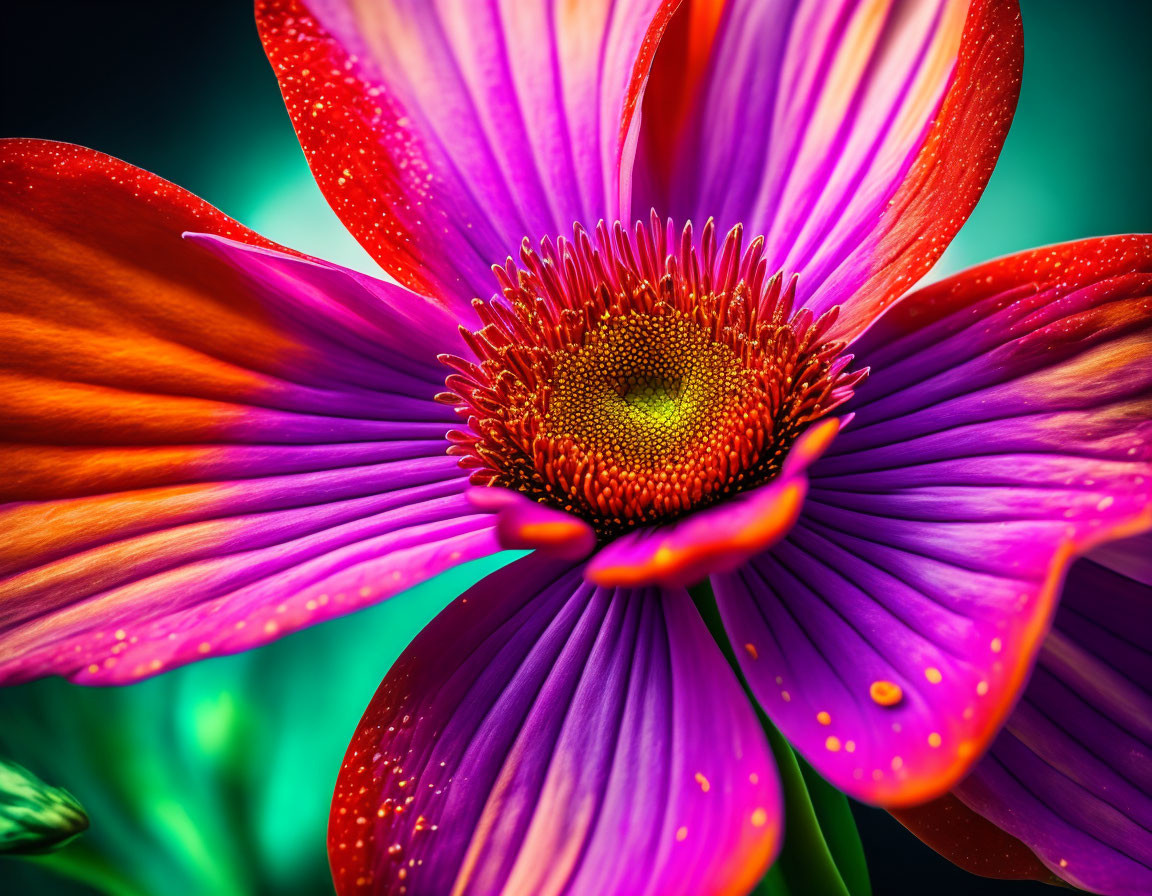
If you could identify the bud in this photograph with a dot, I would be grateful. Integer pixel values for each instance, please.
(35, 817)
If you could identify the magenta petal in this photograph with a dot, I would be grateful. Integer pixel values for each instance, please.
(719, 538)
(206, 445)
(1006, 426)
(389, 337)
(855, 137)
(1071, 774)
(543, 735)
(524, 524)
(444, 133)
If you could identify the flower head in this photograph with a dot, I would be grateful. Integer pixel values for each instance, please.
(633, 380)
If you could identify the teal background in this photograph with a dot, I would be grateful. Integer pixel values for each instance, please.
(215, 779)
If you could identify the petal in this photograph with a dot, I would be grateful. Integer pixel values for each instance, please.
(971, 842)
(1071, 774)
(1131, 557)
(855, 136)
(719, 538)
(205, 444)
(543, 735)
(444, 133)
(524, 524)
(1006, 426)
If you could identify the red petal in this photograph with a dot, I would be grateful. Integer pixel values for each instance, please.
(971, 842)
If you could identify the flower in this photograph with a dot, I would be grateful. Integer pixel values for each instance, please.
(213, 441)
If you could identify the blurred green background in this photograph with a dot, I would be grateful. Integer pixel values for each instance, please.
(215, 779)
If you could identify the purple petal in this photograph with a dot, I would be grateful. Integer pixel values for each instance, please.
(856, 137)
(444, 133)
(206, 444)
(1071, 774)
(543, 735)
(1005, 427)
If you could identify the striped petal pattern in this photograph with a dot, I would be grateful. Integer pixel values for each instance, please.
(1006, 427)
(446, 132)
(856, 136)
(1071, 774)
(206, 443)
(543, 735)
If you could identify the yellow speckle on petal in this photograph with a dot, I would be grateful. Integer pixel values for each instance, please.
(681, 834)
(997, 645)
(885, 693)
(934, 739)
(832, 743)
(759, 818)
(823, 718)
(703, 782)
(981, 688)
(933, 675)
(897, 763)
(752, 652)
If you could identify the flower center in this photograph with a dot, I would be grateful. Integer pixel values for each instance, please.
(630, 381)
(647, 389)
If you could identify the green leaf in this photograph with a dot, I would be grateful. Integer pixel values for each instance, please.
(839, 828)
(821, 853)
(35, 817)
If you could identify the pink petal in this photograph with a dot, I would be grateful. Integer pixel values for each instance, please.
(855, 136)
(444, 133)
(719, 538)
(205, 444)
(1006, 427)
(524, 524)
